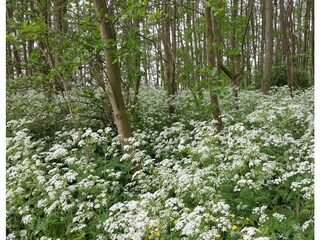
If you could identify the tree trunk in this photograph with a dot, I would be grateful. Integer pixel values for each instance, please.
(267, 67)
(212, 61)
(292, 82)
(284, 34)
(59, 27)
(9, 62)
(254, 40)
(16, 55)
(235, 59)
(169, 53)
(137, 62)
(312, 38)
(306, 35)
(262, 42)
(113, 71)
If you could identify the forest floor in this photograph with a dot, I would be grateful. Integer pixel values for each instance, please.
(253, 180)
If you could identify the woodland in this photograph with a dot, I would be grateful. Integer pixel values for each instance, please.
(158, 119)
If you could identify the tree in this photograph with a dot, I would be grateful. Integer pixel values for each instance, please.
(267, 66)
(212, 60)
(108, 37)
(168, 37)
(288, 41)
(237, 44)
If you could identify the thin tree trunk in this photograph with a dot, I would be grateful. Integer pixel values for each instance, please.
(254, 41)
(16, 55)
(137, 62)
(267, 67)
(113, 71)
(235, 59)
(169, 53)
(292, 82)
(312, 38)
(9, 62)
(284, 34)
(59, 28)
(262, 42)
(212, 61)
(306, 35)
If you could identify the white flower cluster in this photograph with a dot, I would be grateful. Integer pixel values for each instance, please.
(279, 216)
(261, 213)
(185, 181)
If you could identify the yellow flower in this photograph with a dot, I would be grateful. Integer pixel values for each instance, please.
(150, 227)
(175, 221)
(218, 235)
(211, 217)
(247, 218)
(158, 233)
(150, 237)
(232, 215)
(234, 227)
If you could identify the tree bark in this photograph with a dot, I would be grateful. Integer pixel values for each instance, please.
(169, 52)
(212, 61)
(137, 62)
(312, 38)
(108, 36)
(59, 27)
(16, 55)
(235, 59)
(262, 42)
(306, 35)
(292, 81)
(284, 34)
(267, 67)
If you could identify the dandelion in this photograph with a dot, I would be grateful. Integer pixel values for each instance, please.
(232, 215)
(175, 221)
(218, 235)
(234, 227)
(158, 233)
(247, 219)
(211, 217)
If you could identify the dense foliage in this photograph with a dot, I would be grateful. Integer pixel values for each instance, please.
(143, 120)
(179, 179)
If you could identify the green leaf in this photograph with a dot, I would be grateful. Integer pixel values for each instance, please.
(213, 72)
(115, 61)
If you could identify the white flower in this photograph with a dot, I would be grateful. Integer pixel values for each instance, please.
(249, 232)
(306, 224)
(279, 216)
(78, 227)
(23, 233)
(71, 175)
(27, 219)
(58, 151)
(11, 236)
(41, 203)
